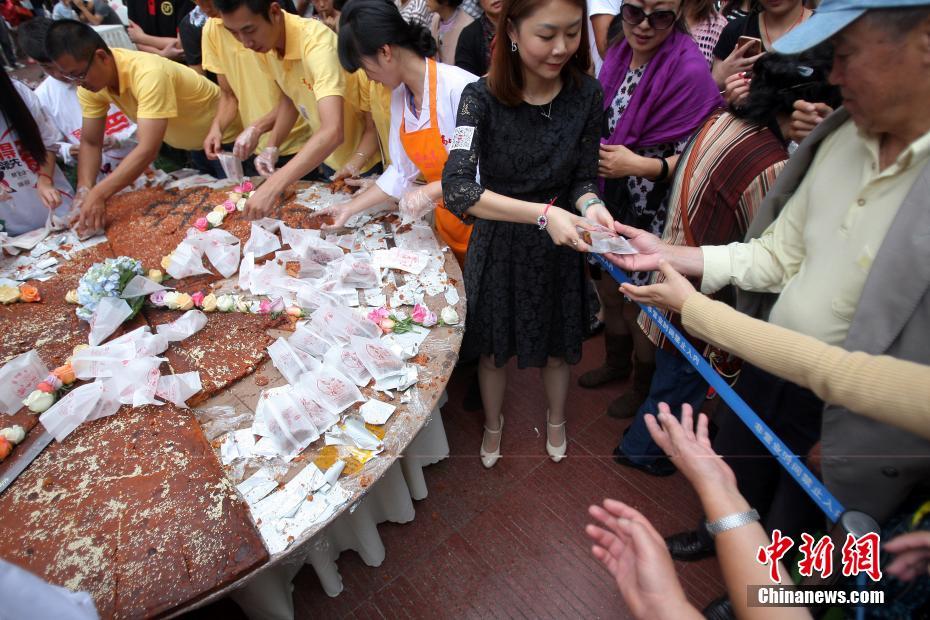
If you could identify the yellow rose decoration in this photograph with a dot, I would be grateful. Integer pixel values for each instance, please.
(184, 302)
(209, 303)
(9, 294)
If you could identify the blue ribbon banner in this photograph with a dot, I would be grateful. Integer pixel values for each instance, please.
(811, 485)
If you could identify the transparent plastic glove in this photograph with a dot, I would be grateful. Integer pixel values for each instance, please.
(265, 161)
(246, 142)
(361, 184)
(415, 204)
(348, 171)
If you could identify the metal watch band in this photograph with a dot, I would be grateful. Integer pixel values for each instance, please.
(731, 522)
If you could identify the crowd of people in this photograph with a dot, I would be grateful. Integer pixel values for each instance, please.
(773, 153)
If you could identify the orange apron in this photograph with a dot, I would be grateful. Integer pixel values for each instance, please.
(426, 150)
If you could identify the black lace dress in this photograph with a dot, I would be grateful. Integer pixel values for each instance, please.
(526, 296)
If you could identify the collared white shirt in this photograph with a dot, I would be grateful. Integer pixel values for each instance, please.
(450, 81)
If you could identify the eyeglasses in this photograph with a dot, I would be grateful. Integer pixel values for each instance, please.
(659, 20)
(80, 77)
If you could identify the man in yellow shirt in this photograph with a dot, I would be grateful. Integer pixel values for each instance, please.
(244, 90)
(300, 55)
(170, 102)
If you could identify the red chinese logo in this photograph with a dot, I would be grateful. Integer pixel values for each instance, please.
(773, 553)
(817, 556)
(860, 555)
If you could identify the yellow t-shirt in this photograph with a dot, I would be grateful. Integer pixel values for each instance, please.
(310, 71)
(376, 100)
(257, 93)
(154, 87)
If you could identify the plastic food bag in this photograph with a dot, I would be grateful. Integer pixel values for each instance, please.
(261, 242)
(139, 286)
(346, 361)
(284, 417)
(322, 252)
(18, 378)
(260, 282)
(312, 298)
(322, 418)
(307, 339)
(299, 239)
(342, 323)
(220, 419)
(353, 433)
(177, 389)
(402, 260)
(102, 361)
(232, 166)
(287, 362)
(220, 246)
(358, 272)
(330, 388)
(245, 271)
(185, 261)
(109, 315)
(186, 326)
(87, 402)
(137, 381)
(380, 361)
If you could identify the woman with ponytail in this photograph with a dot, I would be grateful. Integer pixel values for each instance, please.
(31, 185)
(425, 96)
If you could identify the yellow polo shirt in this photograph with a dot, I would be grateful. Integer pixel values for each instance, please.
(257, 93)
(818, 252)
(309, 71)
(376, 100)
(154, 87)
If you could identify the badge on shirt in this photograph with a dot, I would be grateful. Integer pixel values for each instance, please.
(462, 138)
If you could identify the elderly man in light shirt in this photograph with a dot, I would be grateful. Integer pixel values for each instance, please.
(844, 239)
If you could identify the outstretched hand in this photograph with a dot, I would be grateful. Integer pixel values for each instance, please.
(651, 250)
(670, 294)
(635, 555)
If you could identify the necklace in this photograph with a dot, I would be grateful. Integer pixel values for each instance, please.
(548, 112)
(765, 27)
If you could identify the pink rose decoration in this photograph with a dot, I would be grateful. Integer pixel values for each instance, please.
(264, 307)
(198, 298)
(386, 325)
(295, 311)
(423, 316)
(378, 315)
(230, 206)
(247, 186)
(157, 298)
(202, 224)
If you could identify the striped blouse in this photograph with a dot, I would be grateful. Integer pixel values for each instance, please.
(718, 187)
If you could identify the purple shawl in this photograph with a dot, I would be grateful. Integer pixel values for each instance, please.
(671, 101)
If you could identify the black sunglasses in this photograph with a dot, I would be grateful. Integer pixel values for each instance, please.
(659, 20)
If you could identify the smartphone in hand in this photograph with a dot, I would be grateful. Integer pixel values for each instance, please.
(754, 46)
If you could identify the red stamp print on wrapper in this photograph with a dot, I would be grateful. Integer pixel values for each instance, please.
(332, 387)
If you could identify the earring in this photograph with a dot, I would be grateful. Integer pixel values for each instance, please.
(513, 47)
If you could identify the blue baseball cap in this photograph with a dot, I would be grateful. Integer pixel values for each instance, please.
(831, 17)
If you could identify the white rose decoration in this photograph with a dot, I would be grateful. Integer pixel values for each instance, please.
(13, 434)
(449, 316)
(171, 300)
(216, 217)
(225, 303)
(39, 401)
(240, 204)
(242, 305)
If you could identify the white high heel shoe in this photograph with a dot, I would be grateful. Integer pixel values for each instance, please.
(489, 459)
(556, 453)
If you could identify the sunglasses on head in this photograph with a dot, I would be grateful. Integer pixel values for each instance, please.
(658, 20)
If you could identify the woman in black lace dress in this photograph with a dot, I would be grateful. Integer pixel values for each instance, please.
(533, 125)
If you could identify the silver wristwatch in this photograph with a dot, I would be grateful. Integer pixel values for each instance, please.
(731, 522)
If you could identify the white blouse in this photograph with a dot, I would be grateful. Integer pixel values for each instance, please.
(450, 81)
(21, 209)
